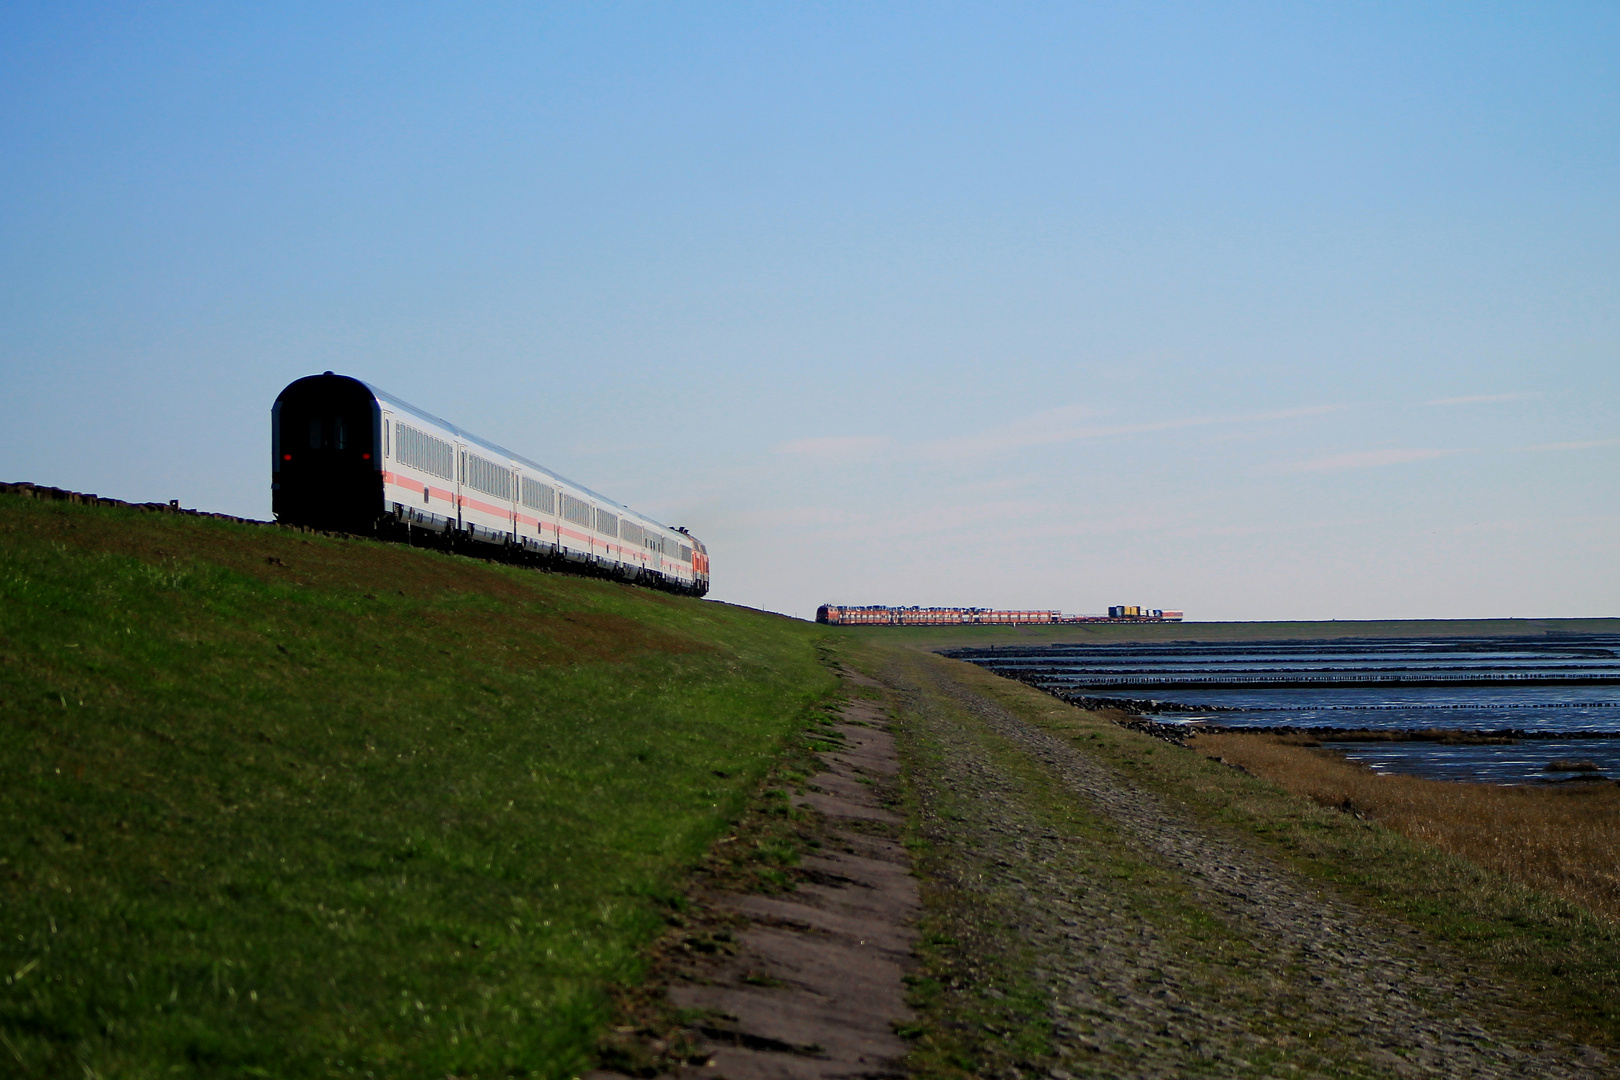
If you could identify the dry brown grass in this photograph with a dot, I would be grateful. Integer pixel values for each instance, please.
(1561, 840)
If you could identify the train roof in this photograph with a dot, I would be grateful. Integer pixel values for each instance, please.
(422, 414)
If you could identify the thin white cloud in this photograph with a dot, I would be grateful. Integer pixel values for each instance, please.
(1050, 427)
(1280, 414)
(1588, 444)
(1056, 426)
(841, 447)
(1365, 459)
(1482, 399)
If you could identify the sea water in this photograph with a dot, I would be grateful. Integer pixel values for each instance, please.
(1543, 687)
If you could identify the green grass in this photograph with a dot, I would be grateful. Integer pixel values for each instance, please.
(1546, 955)
(981, 1010)
(280, 804)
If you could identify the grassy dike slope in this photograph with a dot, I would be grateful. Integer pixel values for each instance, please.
(280, 804)
(1033, 890)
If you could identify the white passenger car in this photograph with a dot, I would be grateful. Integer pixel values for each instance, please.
(352, 458)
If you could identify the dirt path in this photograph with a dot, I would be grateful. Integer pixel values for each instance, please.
(1155, 947)
(809, 983)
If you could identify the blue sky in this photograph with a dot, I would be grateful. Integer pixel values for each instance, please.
(1258, 311)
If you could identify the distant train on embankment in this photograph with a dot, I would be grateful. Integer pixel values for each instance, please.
(348, 457)
(880, 615)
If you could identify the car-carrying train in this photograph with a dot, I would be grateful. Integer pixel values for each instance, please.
(348, 457)
(883, 615)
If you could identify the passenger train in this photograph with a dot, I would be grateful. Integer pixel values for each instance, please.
(349, 457)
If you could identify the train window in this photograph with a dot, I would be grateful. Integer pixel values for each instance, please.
(686, 553)
(422, 451)
(326, 433)
(488, 477)
(538, 496)
(630, 532)
(576, 510)
(607, 524)
(385, 438)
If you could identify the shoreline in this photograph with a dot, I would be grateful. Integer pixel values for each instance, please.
(941, 638)
(1096, 906)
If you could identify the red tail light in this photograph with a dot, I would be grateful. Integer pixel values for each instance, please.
(365, 457)
(286, 457)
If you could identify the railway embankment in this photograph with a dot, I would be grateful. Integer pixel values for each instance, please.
(1099, 902)
(288, 804)
(285, 804)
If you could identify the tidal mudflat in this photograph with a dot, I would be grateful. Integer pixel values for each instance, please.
(1554, 698)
